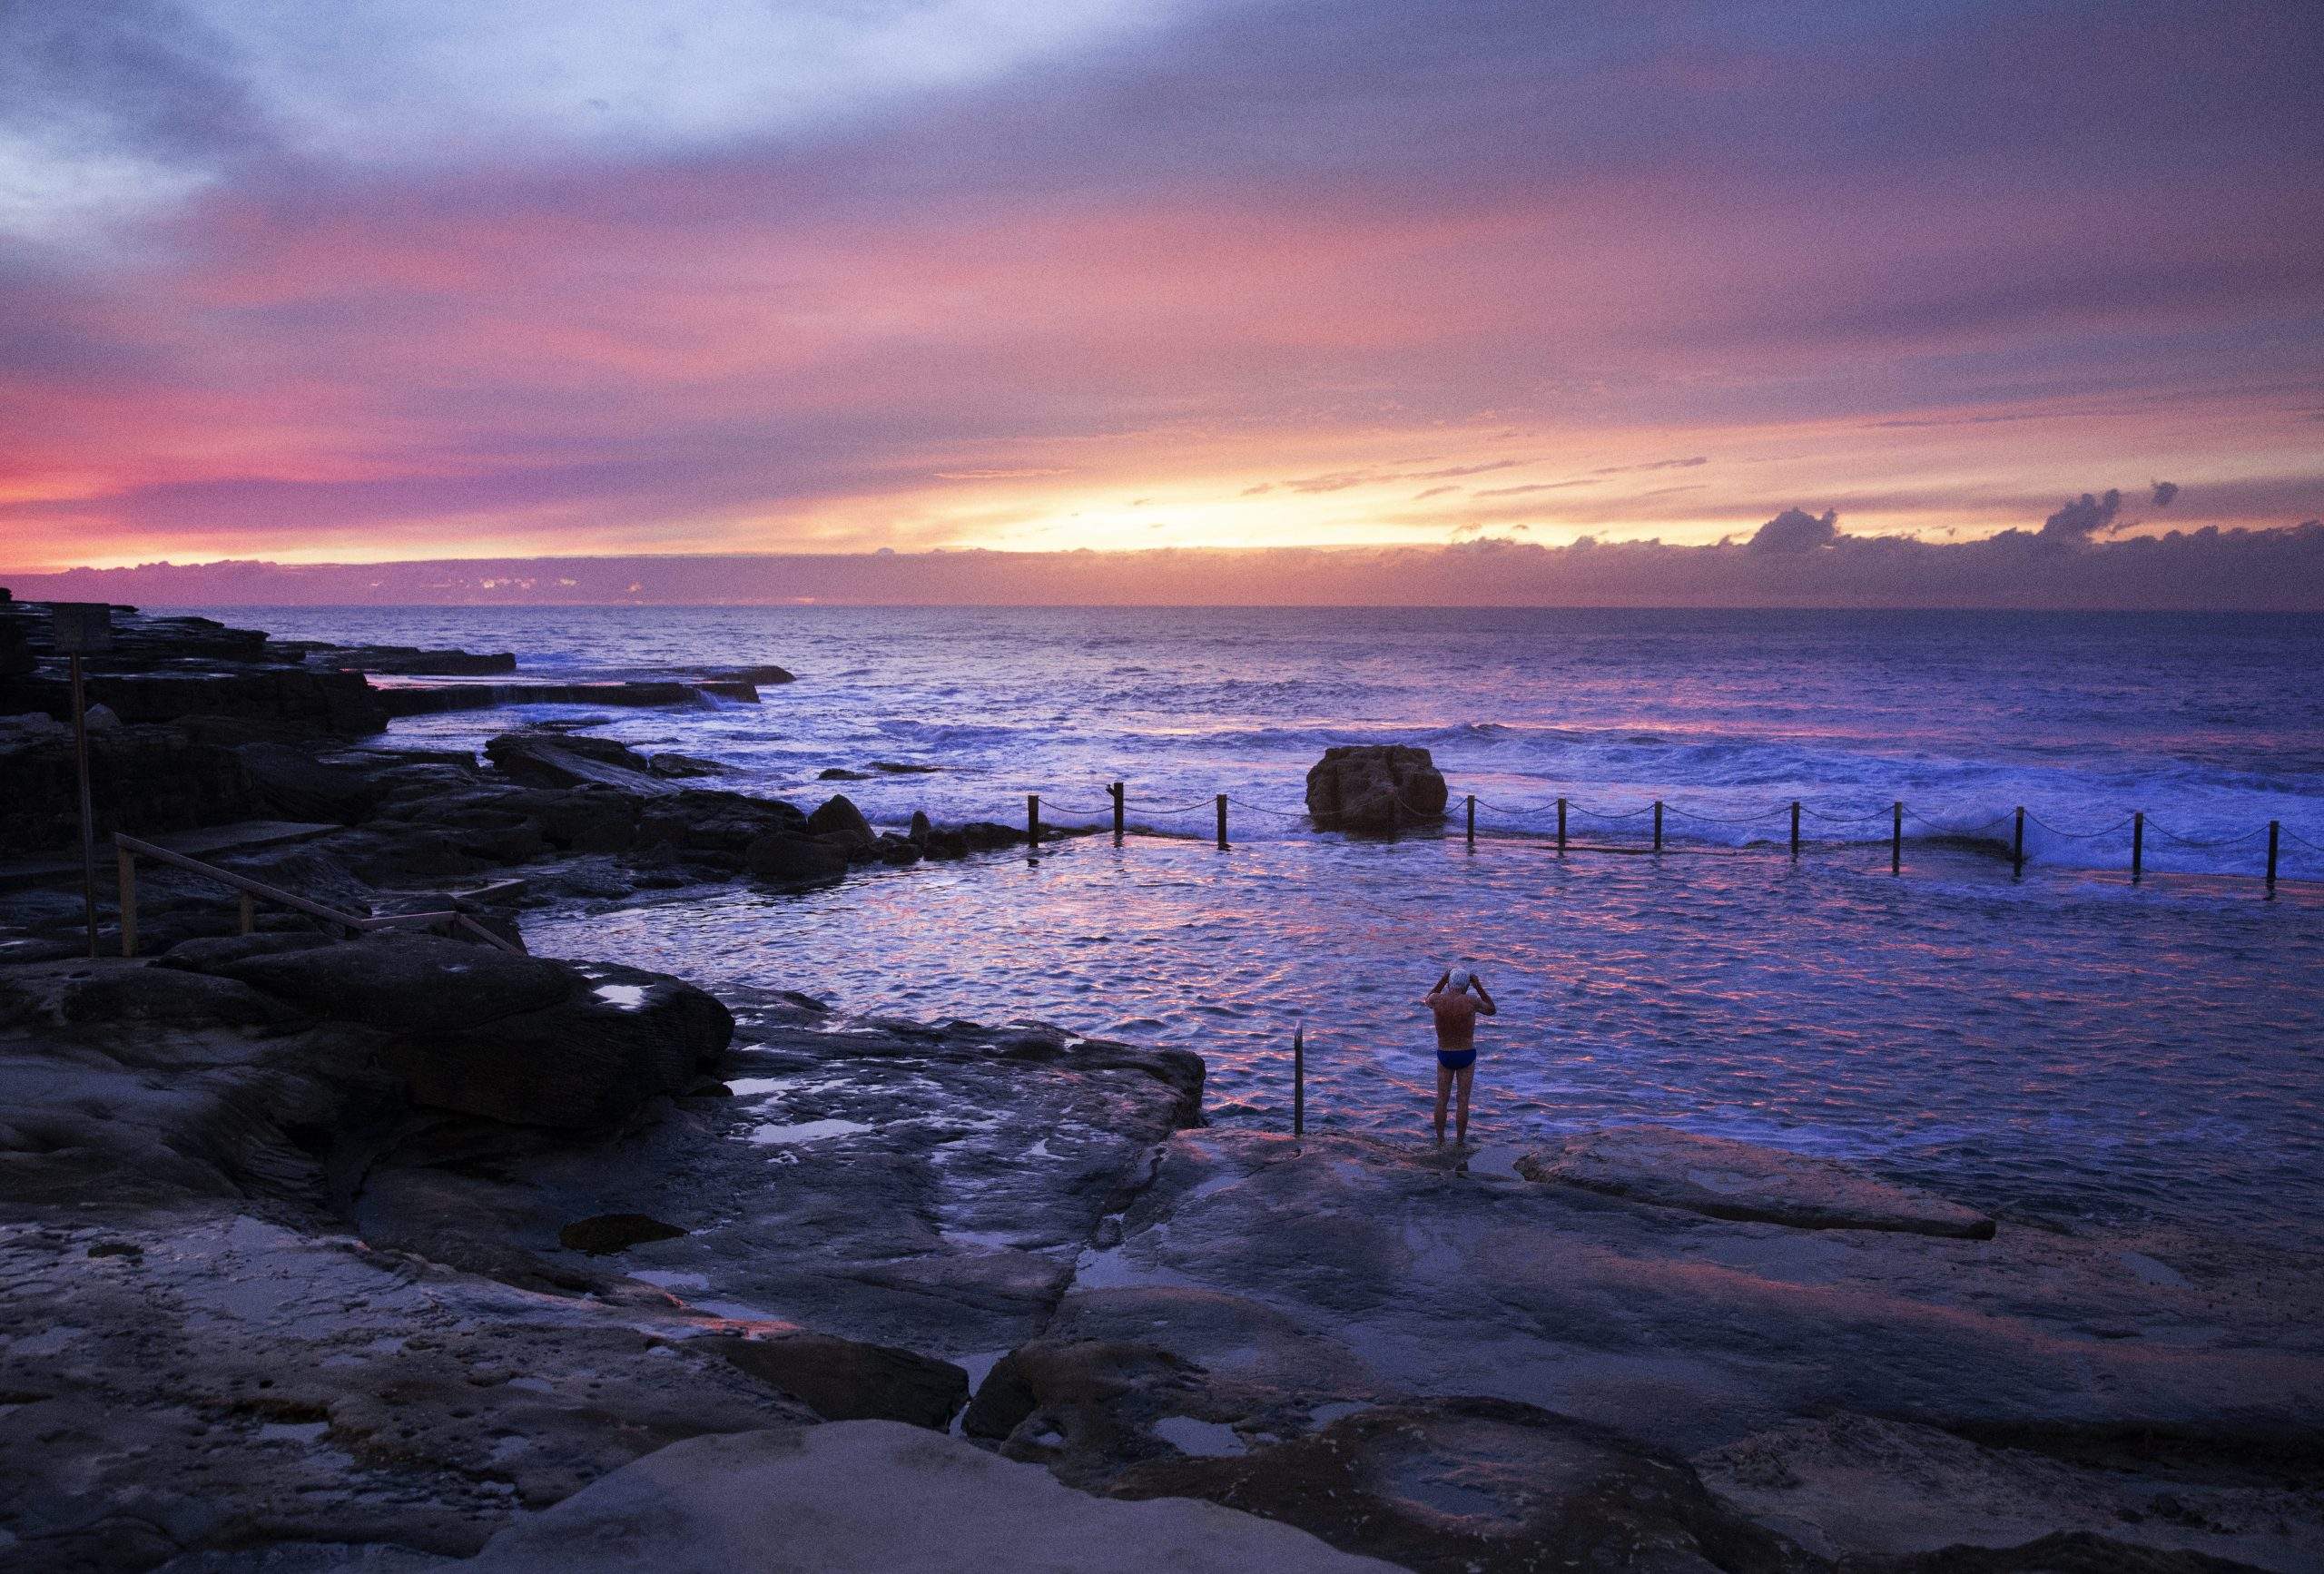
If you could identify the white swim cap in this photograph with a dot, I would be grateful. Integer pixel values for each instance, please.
(1458, 980)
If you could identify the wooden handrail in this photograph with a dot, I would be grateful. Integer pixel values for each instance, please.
(129, 849)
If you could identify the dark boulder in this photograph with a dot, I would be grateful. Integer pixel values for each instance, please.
(209, 954)
(708, 826)
(567, 760)
(621, 1038)
(795, 859)
(842, 1380)
(603, 1234)
(295, 785)
(841, 774)
(758, 674)
(920, 828)
(1375, 787)
(1478, 1484)
(839, 818)
(407, 983)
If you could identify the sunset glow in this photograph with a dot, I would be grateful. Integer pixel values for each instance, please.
(969, 275)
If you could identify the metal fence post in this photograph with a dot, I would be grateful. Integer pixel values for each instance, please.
(1561, 828)
(2273, 829)
(1473, 822)
(1658, 825)
(1116, 790)
(1299, 1080)
(1896, 840)
(1221, 822)
(1795, 830)
(2138, 846)
(2017, 844)
(1032, 822)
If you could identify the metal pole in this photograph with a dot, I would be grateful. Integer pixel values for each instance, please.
(2138, 846)
(1561, 828)
(2273, 829)
(1658, 825)
(1221, 822)
(88, 823)
(1473, 822)
(127, 861)
(1795, 831)
(1299, 1080)
(2017, 844)
(1118, 811)
(1033, 822)
(1896, 840)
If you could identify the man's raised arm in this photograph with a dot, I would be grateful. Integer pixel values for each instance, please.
(1488, 1007)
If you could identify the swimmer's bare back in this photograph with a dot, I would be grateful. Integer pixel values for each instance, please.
(1456, 1014)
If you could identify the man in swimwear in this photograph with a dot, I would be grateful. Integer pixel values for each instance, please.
(1456, 1040)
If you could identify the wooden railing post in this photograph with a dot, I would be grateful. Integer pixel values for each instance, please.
(249, 914)
(128, 863)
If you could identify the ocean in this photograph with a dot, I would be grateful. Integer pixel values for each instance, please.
(2060, 1046)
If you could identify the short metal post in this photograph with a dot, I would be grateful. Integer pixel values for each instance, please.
(1795, 830)
(88, 822)
(1473, 822)
(1896, 840)
(1033, 822)
(1116, 790)
(128, 864)
(248, 913)
(2274, 829)
(2017, 844)
(1221, 822)
(2138, 845)
(1299, 1080)
(1658, 825)
(1561, 827)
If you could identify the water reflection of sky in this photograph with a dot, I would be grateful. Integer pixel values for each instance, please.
(2063, 1046)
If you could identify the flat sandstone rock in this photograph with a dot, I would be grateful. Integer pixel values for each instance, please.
(1738, 1180)
(875, 1495)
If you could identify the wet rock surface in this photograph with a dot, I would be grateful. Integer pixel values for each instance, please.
(1740, 1180)
(1264, 1293)
(874, 1498)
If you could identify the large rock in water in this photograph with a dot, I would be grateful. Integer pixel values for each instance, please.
(568, 760)
(1375, 787)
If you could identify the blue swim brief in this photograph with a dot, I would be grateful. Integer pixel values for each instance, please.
(1456, 1059)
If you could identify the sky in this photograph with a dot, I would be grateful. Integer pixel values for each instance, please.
(413, 281)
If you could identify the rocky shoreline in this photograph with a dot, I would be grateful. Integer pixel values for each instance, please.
(400, 1252)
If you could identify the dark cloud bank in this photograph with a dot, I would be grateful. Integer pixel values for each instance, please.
(1795, 560)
